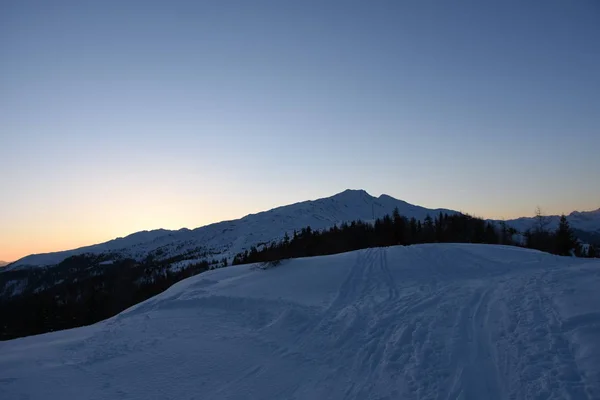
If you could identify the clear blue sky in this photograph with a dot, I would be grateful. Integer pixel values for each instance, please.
(117, 116)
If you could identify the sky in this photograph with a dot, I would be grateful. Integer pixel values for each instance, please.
(120, 116)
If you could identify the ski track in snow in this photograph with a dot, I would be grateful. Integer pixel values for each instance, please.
(421, 322)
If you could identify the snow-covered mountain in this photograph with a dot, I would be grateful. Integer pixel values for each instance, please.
(439, 321)
(583, 220)
(225, 239)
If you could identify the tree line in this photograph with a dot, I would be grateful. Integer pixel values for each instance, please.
(561, 241)
(399, 230)
(79, 291)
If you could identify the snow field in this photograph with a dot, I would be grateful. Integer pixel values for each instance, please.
(437, 321)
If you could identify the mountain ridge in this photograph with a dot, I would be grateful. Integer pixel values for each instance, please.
(582, 220)
(239, 234)
(226, 238)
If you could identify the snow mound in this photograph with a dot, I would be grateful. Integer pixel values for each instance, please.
(421, 322)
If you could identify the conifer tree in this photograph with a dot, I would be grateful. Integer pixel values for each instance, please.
(286, 240)
(565, 239)
(428, 230)
(592, 252)
(400, 223)
(414, 231)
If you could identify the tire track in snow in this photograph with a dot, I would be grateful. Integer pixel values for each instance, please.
(402, 346)
(572, 381)
(435, 340)
(365, 320)
(385, 269)
(538, 359)
(476, 375)
(340, 322)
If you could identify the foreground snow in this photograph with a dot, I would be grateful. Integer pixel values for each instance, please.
(422, 322)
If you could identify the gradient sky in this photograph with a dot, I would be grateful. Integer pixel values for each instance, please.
(118, 116)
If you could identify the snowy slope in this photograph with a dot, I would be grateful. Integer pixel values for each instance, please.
(230, 237)
(420, 322)
(584, 220)
(130, 241)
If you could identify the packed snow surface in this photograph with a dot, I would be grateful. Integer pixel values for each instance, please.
(419, 322)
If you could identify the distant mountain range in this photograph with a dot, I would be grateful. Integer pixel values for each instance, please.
(3, 263)
(580, 220)
(225, 239)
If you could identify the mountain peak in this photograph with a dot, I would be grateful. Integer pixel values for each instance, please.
(591, 213)
(353, 197)
(352, 192)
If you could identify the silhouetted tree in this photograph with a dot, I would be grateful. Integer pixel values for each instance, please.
(565, 241)
(286, 240)
(428, 230)
(400, 227)
(592, 252)
(541, 221)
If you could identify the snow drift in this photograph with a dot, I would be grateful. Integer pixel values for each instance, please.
(418, 322)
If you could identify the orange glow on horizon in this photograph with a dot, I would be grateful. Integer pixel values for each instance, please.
(71, 229)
